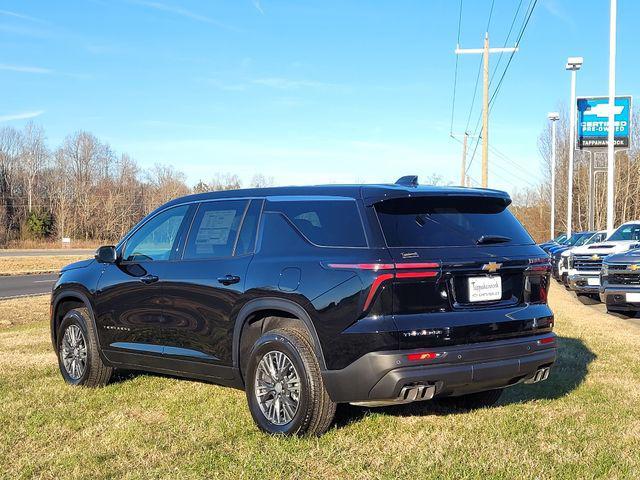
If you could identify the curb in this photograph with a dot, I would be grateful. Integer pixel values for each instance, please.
(30, 272)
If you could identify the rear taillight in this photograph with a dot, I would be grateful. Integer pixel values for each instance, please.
(542, 264)
(546, 341)
(416, 357)
(363, 266)
(421, 270)
(379, 280)
(543, 293)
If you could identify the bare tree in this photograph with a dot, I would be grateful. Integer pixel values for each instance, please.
(260, 181)
(33, 158)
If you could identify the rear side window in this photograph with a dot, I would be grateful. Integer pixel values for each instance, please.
(215, 229)
(449, 221)
(247, 238)
(328, 223)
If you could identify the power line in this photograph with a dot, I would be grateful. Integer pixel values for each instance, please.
(533, 4)
(475, 88)
(493, 2)
(530, 9)
(455, 75)
(506, 40)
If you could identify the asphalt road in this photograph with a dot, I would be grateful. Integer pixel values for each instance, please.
(20, 285)
(47, 252)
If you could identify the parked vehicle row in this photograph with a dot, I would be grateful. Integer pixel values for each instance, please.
(601, 269)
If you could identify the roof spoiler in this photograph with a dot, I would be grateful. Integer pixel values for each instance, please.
(408, 181)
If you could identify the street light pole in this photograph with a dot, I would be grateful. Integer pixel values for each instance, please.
(573, 64)
(554, 117)
(611, 153)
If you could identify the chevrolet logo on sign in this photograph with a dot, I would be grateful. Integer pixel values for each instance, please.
(491, 267)
(633, 267)
(595, 257)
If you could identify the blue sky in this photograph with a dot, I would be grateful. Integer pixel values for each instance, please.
(304, 91)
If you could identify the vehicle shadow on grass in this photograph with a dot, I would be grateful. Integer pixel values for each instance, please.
(567, 374)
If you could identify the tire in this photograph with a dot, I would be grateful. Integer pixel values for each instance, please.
(471, 401)
(92, 372)
(587, 299)
(314, 411)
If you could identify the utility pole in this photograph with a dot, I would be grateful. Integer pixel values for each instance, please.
(485, 52)
(485, 114)
(464, 179)
(611, 152)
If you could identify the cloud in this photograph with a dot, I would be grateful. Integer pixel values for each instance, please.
(183, 12)
(558, 11)
(25, 69)
(21, 16)
(20, 116)
(256, 3)
(290, 84)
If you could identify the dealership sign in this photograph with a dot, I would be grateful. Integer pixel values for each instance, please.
(593, 122)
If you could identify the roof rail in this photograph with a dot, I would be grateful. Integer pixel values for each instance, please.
(408, 181)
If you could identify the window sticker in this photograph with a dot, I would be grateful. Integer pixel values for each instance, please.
(214, 230)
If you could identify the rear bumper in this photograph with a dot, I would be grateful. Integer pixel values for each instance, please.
(615, 297)
(461, 369)
(579, 283)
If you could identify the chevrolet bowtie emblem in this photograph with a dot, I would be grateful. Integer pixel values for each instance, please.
(595, 257)
(491, 267)
(633, 267)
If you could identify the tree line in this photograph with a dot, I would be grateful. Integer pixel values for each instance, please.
(83, 189)
(532, 206)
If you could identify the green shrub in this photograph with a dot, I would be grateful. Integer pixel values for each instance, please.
(39, 224)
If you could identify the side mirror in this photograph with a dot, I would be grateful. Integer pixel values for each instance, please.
(106, 254)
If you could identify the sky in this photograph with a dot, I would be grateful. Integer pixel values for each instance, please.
(304, 91)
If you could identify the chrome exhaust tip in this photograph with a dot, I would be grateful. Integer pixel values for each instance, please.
(408, 394)
(540, 375)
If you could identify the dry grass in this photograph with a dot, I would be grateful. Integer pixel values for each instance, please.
(40, 264)
(31, 244)
(583, 422)
(20, 311)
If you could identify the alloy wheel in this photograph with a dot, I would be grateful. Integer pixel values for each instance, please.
(74, 352)
(277, 387)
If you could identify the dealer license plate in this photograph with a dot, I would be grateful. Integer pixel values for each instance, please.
(485, 289)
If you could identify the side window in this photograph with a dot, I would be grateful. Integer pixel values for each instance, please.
(328, 223)
(155, 239)
(248, 231)
(215, 229)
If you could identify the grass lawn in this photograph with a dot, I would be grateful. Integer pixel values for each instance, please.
(584, 422)
(40, 264)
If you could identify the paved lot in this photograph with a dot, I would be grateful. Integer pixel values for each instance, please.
(21, 285)
(46, 252)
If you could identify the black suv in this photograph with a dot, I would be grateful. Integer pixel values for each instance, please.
(306, 297)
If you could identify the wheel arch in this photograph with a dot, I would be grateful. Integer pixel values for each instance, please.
(262, 308)
(62, 303)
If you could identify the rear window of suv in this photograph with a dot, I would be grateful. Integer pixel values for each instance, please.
(327, 223)
(449, 221)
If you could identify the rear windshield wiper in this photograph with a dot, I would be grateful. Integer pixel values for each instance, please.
(486, 239)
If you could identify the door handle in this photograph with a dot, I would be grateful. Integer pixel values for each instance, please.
(147, 279)
(229, 279)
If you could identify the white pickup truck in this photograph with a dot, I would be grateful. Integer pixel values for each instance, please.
(563, 262)
(585, 263)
